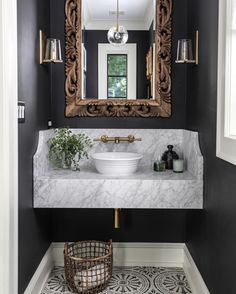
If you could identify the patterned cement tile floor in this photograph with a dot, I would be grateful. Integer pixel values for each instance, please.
(130, 280)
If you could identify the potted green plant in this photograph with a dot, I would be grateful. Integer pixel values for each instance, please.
(66, 149)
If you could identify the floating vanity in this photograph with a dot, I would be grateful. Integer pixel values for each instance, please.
(57, 188)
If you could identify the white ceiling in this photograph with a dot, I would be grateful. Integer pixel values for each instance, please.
(136, 11)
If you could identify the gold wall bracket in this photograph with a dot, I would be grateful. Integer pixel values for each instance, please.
(197, 48)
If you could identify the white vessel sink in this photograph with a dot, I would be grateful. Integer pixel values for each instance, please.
(116, 163)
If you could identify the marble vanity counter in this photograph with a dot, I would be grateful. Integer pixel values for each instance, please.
(55, 188)
(144, 173)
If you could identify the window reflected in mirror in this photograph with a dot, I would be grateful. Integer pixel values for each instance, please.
(117, 76)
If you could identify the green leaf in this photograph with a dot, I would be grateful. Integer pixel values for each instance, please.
(65, 144)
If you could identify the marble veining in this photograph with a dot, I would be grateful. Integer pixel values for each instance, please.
(145, 189)
(192, 154)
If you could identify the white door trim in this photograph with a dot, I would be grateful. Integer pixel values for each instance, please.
(8, 148)
(225, 143)
(129, 49)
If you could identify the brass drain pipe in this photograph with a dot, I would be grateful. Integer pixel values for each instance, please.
(116, 218)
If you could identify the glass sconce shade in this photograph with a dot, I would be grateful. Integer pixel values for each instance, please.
(185, 51)
(49, 49)
(53, 51)
(117, 37)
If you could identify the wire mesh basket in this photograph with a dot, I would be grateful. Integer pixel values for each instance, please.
(88, 265)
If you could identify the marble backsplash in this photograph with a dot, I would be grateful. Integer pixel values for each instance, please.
(58, 188)
(154, 143)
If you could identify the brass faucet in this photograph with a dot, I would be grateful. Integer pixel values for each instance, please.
(105, 139)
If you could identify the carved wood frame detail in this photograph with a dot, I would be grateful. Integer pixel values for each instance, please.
(76, 106)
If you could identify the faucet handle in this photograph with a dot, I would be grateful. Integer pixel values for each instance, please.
(103, 138)
(132, 138)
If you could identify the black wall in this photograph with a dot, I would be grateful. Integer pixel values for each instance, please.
(178, 117)
(138, 225)
(34, 89)
(93, 38)
(211, 234)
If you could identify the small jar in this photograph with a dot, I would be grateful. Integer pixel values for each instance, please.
(178, 165)
(159, 165)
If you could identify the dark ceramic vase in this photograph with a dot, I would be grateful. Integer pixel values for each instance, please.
(168, 157)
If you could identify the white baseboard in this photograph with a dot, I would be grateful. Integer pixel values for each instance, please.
(193, 275)
(41, 275)
(132, 254)
(129, 254)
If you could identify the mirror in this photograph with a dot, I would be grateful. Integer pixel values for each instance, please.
(128, 80)
(118, 72)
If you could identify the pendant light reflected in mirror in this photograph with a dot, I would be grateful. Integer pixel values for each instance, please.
(117, 36)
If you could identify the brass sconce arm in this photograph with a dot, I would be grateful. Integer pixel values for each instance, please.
(129, 139)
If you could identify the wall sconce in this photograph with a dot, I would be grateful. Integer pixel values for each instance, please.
(185, 51)
(49, 49)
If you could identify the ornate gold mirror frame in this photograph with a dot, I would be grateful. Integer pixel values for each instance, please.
(76, 106)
